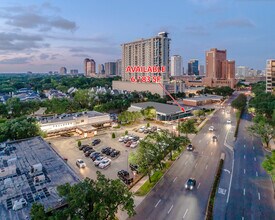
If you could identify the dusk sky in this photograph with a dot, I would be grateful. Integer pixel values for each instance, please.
(42, 36)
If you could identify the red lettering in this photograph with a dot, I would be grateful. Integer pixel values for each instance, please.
(128, 69)
(163, 69)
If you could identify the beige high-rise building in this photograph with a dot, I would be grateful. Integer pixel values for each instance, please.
(270, 76)
(214, 59)
(89, 67)
(176, 65)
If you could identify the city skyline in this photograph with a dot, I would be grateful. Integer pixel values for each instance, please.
(46, 35)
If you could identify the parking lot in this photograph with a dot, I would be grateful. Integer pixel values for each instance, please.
(67, 148)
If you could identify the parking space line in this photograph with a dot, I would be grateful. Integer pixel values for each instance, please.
(170, 209)
(253, 148)
(255, 159)
(244, 171)
(196, 164)
(244, 191)
(244, 146)
(157, 203)
(256, 173)
(243, 156)
(259, 196)
(185, 213)
(175, 179)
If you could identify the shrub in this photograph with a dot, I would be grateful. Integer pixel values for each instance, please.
(79, 143)
(148, 125)
(113, 135)
(126, 132)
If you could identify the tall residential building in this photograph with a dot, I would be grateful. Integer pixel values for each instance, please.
(118, 67)
(110, 68)
(142, 55)
(101, 69)
(270, 76)
(219, 70)
(63, 70)
(89, 67)
(74, 71)
(242, 71)
(201, 70)
(176, 65)
(193, 67)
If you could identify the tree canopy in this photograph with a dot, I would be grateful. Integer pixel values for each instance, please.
(240, 102)
(149, 113)
(89, 200)
(188, 127)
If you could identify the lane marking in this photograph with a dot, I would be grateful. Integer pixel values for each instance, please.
(206, 167)
(256, 173)
(225, 170)
(170, 209)
(259, 196)
(244, 191)
(175, 179)
(244, 146)
(255, 159)
(244, 171)
(230, 179)
(157, 203)
(196, 164)
(199, 185)
(243, 156)
(185, 213)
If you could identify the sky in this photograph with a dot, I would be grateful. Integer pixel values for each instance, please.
(42, 36)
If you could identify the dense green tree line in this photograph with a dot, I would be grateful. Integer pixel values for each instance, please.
(240, 102)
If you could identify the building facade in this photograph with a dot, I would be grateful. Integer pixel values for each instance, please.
(152, 52)
(89, 67)
(118, 67)
(101, 69)
(201, 70)
(63, 70)
(270, 76)
(176, 65)
(110, 68)
(193, 67)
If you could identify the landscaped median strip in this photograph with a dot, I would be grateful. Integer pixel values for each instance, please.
(211, 199)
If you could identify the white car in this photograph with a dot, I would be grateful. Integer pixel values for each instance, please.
(99, 160)
(104, 163)
(19, 204)
(134, 144)
(121, 139)
(141, 130)
(228, 121)
(80, 163)
(211, 128)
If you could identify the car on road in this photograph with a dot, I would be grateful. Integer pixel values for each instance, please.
(215, 138)
(80, 163)
(211, 128)
(104, 164)
(99, 160)
(95, 142)
(190, 147)
(190, 184)
(228, 121)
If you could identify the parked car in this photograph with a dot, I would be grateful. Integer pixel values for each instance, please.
(109, 151)
(105, 164)
(99, 160)
(190, 184)
(146, 131)
(93, 153)
(211, 128)
(95, 156)
(82, 146)
(134, 144)
(123, 173)
(136, 138)
(125, 176)
(95, 142)
(88, 152)
(121, 139)
(128, 144)
(190, 147)
(105, 149)
(86, 149)
(115, 153)
(80, 163)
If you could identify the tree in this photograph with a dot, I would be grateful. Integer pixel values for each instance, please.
(188, 127)
(38, 212)
(240, 102)
(263, 130)
(269, 164)
(149, 113)
(92, 199)
(82, 98)
(198, 113)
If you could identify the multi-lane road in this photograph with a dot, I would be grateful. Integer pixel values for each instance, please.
(169, 199)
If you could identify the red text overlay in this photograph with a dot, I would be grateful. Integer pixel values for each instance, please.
(146, 79)
(145, 69)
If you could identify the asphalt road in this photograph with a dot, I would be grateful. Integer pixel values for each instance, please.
(252, 193)
(169, 199)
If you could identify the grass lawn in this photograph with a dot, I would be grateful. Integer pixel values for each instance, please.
(147, 186)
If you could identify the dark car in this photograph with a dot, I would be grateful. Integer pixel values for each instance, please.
(215, 138)
(88, 152)
(95, 156)
(125, 176)
(134, 167)
(105, 149)
(109, 151)
(82, 146)
(115, 153)
(190, 147)
(123, 173)
(135, 139)
(95, 142)
(86, 148)
(190, 184)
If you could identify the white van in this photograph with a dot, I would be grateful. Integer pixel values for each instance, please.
(19, 204)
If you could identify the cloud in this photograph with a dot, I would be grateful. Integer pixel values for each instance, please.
(100, 39)
(18, 42)
(44, 56)
(96, 50)
(17, 60)
(240, 23)
(196, 30)
(81, 55)
(33, 17)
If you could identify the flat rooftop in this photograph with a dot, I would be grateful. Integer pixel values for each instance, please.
(203, 98)
(15, 166)
(161, 108)
(68, 117)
